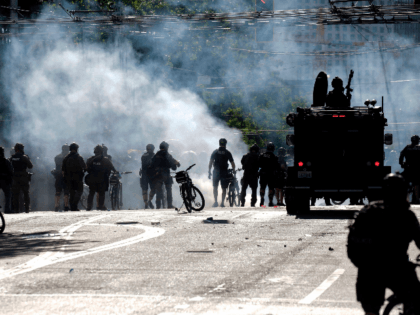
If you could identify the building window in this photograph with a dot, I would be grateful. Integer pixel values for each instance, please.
(375, 38)
(337, 28)
(382, 38)
(353, 37)
(337, 62)
(345, 28)
(330, 62)
(367, 37)
(337, 36)
(374, 29)
(382, 29)
(359, 37)
(344, 37)
(329, 36)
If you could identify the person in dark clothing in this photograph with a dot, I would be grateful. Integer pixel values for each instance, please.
(159, 172)
(411, 154)
(250, 166)
(98, 167)
(73, 170)
(336, 97)
(6, 175)
(21, 178)
(269, 166)
(145, 181)
(219, 159)
(105, 152)
(60, 183)
(377, 244)
(281, 176)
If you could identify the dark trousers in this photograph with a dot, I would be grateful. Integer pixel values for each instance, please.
(20, 184)
(251, 181)
(145, 184)
(401, 279)
(99, 188)
(157, 188)
(270, 181)
(75, 187)
(6, 186)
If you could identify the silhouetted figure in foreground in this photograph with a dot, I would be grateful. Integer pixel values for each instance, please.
(336, 97)
(377, 244)
(411, 154)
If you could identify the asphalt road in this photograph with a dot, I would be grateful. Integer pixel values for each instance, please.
(244, 261)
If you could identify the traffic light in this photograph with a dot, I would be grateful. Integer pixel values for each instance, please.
(264, 5)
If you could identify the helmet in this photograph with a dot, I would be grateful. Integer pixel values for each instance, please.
(222, 142)
(255, 148)
(74, 146)
(337, 83)
(19, 146)
(270, 147)
(164, 146)
(395, 188)
(150, 147)
(104, 148)
(65, 147)
(98, 149)
(281, 151)
(415, 139)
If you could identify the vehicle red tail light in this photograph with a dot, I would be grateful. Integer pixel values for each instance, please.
(300, 164)
(335, 116)
(342, 115)
(377, 163)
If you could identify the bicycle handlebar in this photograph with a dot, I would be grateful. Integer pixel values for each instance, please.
(190, 168)
(121, 172)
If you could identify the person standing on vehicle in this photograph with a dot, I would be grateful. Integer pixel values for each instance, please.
(60, 183)
(145, 182)
(377, 245)
(98, 168)
(219, 159)
(73, 170)
(250, 166)
(269, 166)
(336, 97)
(411, 154)
(160, 174)
(281, 176)
(21, 178)
(6, 175)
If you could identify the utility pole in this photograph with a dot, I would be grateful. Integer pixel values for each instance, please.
(13, 13)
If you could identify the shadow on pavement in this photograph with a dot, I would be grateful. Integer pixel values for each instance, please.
(14, 245)
(328, 214)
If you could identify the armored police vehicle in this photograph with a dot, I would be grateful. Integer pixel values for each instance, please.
(338, 149)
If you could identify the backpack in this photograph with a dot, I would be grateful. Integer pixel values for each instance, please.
(362, 246)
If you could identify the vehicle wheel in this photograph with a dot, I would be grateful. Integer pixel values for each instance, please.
(303, 205)
(290, 203)
(114, 198)
(197, 199)
(3, 223)
(394, 307)
(187, 201)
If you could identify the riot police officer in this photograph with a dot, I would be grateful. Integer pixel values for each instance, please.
(145, 182)
(98, 168)
(250, 166)
(336, 97)
(269, 166)
(73, 170)
(6, 175)
(281, 175)
(219, 159)
(411, 154)
(382, 232)
(21, 178)
(105, 152)
(159, 172)
(60, 183)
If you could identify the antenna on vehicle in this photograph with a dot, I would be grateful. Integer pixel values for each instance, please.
(382, 104)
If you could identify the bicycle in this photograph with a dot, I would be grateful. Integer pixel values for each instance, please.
(84, 196)
(191, 195)
(395, 304)
(234, 194)
(3, 223)
(115, 192)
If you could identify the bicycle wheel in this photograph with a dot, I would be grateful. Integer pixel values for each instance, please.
(3, 223)
(197, 199)
(231, 196)
(120, 203)
(114, 197)
(394, 307)
(186, 198)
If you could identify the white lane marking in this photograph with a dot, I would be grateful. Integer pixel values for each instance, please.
(323, 287)
(218, 288)
(47, 259)
(181, 306)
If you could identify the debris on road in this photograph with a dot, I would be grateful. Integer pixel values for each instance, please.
(331, 249)
(155, 222)
(300, 239)
(71, 270)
